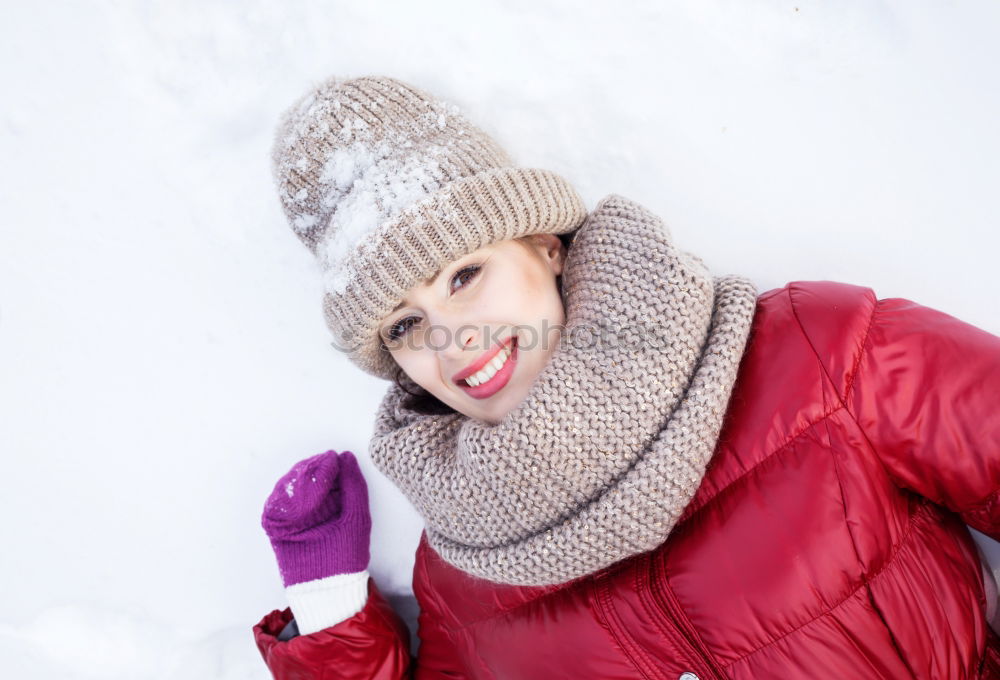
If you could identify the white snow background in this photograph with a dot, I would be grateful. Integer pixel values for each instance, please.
(163, 359)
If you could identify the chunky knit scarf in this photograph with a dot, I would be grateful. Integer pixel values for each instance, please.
(598, 461)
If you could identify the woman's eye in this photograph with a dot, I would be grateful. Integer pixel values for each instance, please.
(399, 328)
(472, 270)
(462, 276)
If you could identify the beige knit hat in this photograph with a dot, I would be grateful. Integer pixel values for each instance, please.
(386, 185)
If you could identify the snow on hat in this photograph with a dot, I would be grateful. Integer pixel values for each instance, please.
(386, 184)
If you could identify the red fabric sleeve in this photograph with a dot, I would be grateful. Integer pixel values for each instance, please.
(926, 393)
(374, 644)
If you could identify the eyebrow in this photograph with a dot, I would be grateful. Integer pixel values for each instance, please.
(429, 282)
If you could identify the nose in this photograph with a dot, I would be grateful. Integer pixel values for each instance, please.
(466, 336)
(457, 341)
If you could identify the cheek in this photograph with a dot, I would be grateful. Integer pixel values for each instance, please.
(542, 297)
(421, 367)
(523, 298)
(554, 300)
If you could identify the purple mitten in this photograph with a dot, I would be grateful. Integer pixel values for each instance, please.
(317, 518)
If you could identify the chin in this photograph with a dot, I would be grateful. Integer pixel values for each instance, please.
(511, 401)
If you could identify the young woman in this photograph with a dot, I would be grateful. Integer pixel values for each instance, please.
(627, 467)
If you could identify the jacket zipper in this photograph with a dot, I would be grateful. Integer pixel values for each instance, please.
(666, 604)
(603, 598)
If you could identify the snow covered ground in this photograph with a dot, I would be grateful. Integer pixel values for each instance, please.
(163, 359)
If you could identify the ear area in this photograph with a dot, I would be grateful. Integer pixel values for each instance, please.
(550, 248)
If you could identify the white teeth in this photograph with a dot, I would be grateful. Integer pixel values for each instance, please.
(485, 374)
(491, 368)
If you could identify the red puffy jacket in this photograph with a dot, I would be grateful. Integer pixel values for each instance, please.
(827, 539)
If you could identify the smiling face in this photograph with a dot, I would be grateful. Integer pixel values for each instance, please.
(478, 334)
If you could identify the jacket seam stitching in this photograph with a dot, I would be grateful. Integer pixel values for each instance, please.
(647, 598)
(843, 494)
(854, 376)
(448, 630)
(976, 506)
(513, 608)
(819, 359)
(857, 363)
(746, 474)
(893, 640)
(616, 631)
(984, 504)
(707, 655)
(856, 369)
(644, 587)
(865, 583)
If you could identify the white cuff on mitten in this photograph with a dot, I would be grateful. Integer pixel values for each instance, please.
(327, 601)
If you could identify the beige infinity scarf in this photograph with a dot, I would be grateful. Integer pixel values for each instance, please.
(611, 442)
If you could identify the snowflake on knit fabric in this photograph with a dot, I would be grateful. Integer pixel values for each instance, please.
(369, 186)
(360, 175)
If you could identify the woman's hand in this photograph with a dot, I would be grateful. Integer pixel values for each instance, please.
(317, 518)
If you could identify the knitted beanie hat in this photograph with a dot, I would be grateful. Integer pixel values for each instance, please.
(386, 184)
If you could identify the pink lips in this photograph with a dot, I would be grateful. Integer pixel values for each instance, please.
(499, 379)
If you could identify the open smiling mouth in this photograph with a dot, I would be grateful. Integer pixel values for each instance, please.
(494, 374)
